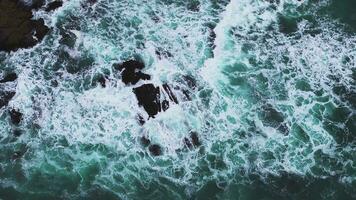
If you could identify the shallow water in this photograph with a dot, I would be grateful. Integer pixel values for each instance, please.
(273, 104)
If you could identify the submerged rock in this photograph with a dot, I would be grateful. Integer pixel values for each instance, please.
(5, 97)
(15, 116)
(53, 5)
(17, 28)
(155, 150)
(145, 141)
(193, 141)
(7, 89)
(131, 71)
(170, 94)
(9, 78)
(17, 133)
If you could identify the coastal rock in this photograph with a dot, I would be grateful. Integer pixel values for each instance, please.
(53, 5)
(131, 71)
(193, 141)
(155, 150)
(5, 97)
(17, 28)
(148, 96)
(9, 78)
(7, 88)
(15, 116)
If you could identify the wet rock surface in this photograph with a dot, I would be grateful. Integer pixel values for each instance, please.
(53, 5)
(148, 96)
(155, 150)
(9, 78)
(17, 28)
(192, 141)
(131, 71)
(15, 116)
(5, 97)
(7, 88)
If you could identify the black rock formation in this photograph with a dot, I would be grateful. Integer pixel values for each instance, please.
(53, 5)
(170, 94)
(15, 116)
(148, 96)
(131, 71)
(9, 78)
(155, 150)
(5, 97)
(145, 141)
(193, 141)
(17, 28)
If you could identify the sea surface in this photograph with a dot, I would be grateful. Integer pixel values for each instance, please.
(267, 86)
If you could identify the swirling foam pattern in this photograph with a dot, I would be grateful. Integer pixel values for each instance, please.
(273, 103)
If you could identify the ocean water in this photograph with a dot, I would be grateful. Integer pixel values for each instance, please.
(272, 98)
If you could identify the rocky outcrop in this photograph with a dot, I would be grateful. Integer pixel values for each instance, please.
(131, 72)
(17, 28)
(7, 88)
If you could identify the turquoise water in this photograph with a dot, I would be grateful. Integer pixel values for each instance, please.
(273, 104)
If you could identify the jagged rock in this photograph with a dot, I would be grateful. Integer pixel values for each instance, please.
(193, 141)
(130, 71)
(17, 133)
(53, 5)
(165, 105)
(15, 116)
(141, 120)
(17, 28)
(5, 97)
(145, 141)
(170, 94)
(148, 96)
(9, 78)
(101, 79)
(155, 150)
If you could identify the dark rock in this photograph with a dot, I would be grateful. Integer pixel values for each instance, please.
(155, 150)
(9, 78)
(165, 105)
(17, 155)
(53, 5)
(141, 120)
(130, 72)
(148, 96)
(15, 116)
(212, 35)
(163, 53)
(145, 141)
(17, 28)
(102, 81)
(17, 133)
(195, 139)
(190, 81)
(171, 95)
(187, 143)
(5, 97)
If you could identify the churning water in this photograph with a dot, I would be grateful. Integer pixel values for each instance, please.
(266, 86)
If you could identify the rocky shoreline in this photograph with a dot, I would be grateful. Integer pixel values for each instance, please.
(18, 29)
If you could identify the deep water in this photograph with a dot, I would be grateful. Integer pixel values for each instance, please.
(177, 99)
